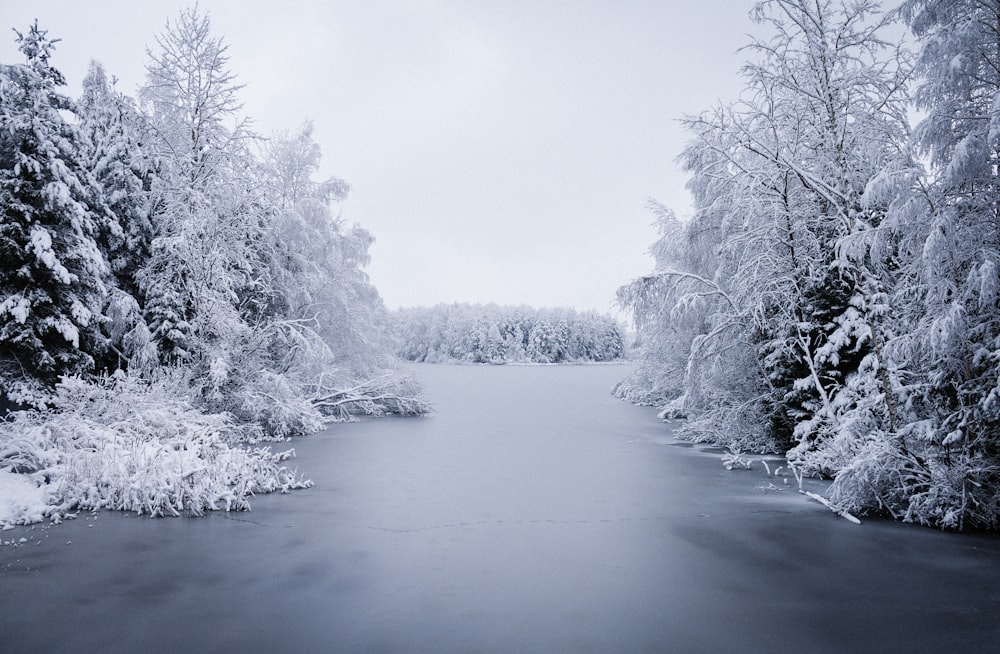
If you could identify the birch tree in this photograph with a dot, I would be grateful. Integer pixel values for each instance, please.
(203, 207)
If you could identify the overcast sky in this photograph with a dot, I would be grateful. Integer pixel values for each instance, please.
(499, 150)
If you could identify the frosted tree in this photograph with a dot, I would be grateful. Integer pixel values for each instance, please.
(944, 466)
(203, 210)
(317, 262)
(496, 334)
(113, 126)
(314, 341)
(114, 131)
(841, 125)
(671, 308)
(53, 285)
(785, 286)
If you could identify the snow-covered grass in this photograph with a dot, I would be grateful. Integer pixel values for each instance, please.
(129, 445)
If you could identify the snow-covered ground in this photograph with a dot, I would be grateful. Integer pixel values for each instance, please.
(21, 500)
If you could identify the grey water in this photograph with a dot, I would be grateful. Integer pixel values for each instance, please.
(532, 513)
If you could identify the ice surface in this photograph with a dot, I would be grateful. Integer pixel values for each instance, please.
(532, 513)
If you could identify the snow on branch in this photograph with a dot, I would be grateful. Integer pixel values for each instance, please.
(389, 394)
(843, 513)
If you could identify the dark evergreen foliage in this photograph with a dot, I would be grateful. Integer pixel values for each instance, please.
(53, 212)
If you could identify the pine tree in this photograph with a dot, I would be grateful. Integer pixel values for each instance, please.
(52, 288)
(113, 130)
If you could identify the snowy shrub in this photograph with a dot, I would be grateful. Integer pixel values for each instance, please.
(648, 386)
(126, 445)
(741, 427)
(905, 478)
(832, 455)
(269, 400)
(874, 481)
(956, 494)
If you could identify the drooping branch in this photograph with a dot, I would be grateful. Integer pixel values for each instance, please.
(388, 394)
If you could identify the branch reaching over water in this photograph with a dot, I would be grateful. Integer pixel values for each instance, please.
(389, 394)
(843, 513)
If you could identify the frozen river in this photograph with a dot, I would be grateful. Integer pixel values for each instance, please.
(532, 513)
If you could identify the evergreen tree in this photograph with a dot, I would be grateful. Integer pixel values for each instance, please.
(943, 467)
(53, 284)
(113, 128)
(113, 131)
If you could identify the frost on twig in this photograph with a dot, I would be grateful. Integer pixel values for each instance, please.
(734, 459)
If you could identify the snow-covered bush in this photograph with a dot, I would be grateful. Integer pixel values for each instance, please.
(128, 445)
(269, 400)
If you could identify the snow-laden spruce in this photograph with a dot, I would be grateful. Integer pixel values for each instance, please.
(53, 279)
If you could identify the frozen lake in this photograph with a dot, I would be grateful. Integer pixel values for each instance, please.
(532, 513)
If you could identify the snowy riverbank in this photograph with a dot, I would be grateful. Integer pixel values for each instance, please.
(130, 447)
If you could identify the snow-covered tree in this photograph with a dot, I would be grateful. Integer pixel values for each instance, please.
(138, 234)
(943, 466)
(780, 293)
(495, 334)
(114, 131)
(204, 199)
(52, 288)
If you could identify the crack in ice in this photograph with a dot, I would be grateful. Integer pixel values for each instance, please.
(453, 525)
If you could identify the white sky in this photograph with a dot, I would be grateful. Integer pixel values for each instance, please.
(499, 150)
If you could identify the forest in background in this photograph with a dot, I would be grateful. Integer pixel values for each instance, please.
(173, 286)
(494, 334)
(834, 297)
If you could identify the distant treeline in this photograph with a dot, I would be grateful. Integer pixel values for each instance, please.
(495, 334)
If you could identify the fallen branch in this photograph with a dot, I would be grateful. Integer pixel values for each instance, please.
(843, 513)
(385, 395)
